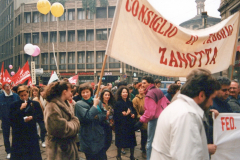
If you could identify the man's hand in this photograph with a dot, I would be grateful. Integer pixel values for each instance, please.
(133, 116)
(24, 105)
(212, 148)
(216, 113)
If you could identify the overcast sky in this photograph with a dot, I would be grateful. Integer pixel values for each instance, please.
(178, 11)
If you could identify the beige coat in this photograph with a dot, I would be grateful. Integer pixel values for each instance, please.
(138, 104)
(62, 127)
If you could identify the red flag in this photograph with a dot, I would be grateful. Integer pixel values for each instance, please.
(73, 80)
(2, 73)
(23, 75)
(6, 78)
(29, 82)
(51, 74)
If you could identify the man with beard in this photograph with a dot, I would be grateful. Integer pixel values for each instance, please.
(180, 132)
(234, 101)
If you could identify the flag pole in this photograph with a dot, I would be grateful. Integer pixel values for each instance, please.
(55, 58)
(101, 75)
(235, 47)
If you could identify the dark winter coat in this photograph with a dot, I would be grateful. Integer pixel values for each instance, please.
(91, 134)
(124, 125)
(25, 144)
(234, 104)
(5, 102)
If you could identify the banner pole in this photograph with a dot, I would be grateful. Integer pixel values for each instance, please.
(235, 47)
(101, 75)
(55, 58)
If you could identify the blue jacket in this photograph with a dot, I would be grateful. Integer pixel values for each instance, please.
(5, 103)
(221, 107)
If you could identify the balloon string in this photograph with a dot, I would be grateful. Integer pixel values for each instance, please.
(55, 57)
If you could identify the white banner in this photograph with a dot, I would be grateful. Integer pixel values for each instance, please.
(226, 135)
(143, 38)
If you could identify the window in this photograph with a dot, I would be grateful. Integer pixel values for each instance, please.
(90, 57)
(19, 40)
(101, 34)
(44, 18)
(52, 60)
(100, 56)
(81, 14)
(71, 36)
(90, 36)
(36, 60)
(45, 37)
(63, 17)
(109, 32)
(62, 36)
(81, 36)
(27, 37)
(35, 37)
(35, 17)
(27, 58)
(90, 60)
(19, 20)
(113, 63)
(81, 60)
(62, 58)
(27, 17)
(81, 57)
(111, 11)
(89, 15)
(44, 58)
(71, 14)
(52, 18)
(71, 57)
(53, 36)
(101, 13)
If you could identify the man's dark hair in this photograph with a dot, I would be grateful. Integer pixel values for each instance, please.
(149, 79)
(200, 80)
(157, 81)
(176, 81)
(136, 82)
(122, 83)
(224, 81)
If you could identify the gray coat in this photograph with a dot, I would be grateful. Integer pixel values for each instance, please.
(91, 134)
(234, 104)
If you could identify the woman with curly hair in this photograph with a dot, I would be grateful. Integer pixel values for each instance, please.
(124, 119)
(92, 115)
(24, 114)
(61, 124)
(108, 101)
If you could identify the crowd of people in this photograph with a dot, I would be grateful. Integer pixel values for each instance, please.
(177, 125)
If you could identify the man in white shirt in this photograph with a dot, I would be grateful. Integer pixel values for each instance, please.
(180, 133)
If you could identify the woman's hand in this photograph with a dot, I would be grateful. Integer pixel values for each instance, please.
(128, 111)
(133, 116)
(24, 105)
(124, 113)
(29, 118)
(95, 102)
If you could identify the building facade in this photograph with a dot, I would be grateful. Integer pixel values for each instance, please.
(226, 9)
(78, 38)
(200, 21)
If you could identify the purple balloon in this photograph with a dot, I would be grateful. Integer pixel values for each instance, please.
(36, 51)
(12, 73)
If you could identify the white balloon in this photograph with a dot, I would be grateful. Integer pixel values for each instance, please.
(29, 49)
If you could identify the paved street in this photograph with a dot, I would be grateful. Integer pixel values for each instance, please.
(111, 153)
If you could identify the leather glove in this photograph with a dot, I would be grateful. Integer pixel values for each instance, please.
(138, 125)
